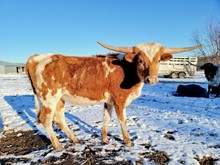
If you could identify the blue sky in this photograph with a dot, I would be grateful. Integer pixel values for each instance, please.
(73, 27)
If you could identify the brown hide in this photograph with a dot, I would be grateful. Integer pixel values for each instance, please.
(86, 77)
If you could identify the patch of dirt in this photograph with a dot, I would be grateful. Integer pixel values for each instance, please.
(159, 157)
(206, 160)
(146, 145)
(168, 136)
(22, 142)
(86, 158)
(9, 161)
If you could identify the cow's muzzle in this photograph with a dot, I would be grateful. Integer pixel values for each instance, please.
(151, 80)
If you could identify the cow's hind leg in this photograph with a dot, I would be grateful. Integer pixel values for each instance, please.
(59, 117)
(107, 117)
(46, 118)
(37, 104)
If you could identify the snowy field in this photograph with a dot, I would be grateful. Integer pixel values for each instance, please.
(186, 129)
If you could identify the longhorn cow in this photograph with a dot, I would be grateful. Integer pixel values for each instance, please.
(116, 82)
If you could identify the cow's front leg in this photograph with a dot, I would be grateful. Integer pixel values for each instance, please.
(107, 118)
(121, 113)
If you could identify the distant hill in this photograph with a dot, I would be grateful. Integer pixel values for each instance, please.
(11, 64)
(9, 67)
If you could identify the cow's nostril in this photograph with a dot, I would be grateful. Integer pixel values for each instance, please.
(147, 80)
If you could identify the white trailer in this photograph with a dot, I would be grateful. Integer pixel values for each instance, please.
(178, 67)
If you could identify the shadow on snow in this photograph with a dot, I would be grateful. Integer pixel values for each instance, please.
(24, 106)
(1, 123)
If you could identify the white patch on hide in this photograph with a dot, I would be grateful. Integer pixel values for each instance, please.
(41, 57)
(150, 49)
(52, 100)
(134, 94)
(40, 69)
(38, 58)
(109, 69)
(51, 103)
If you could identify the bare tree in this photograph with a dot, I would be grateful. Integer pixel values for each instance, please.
(209, 36)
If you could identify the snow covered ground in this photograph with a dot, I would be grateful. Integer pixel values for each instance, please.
(187, 129)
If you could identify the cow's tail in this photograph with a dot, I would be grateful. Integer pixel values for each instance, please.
(36, 99)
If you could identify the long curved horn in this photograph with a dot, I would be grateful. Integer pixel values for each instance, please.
(118, 49)
(179, 50)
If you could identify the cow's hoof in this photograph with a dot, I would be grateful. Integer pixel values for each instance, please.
(129, 144)
(105, 140)
(59, 149)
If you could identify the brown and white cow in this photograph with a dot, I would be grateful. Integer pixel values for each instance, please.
(88, 80)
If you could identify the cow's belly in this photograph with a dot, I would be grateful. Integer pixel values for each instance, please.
(80, 100)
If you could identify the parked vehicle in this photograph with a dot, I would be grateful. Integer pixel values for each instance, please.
(178, 67)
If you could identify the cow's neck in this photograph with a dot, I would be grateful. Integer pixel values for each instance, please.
(130, 75)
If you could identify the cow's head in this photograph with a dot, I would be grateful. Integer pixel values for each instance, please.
(147, 57)
(210, 71)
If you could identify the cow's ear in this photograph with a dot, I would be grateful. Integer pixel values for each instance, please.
(166, 57)
(129, 57)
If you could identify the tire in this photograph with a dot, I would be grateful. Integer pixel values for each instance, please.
(182, 75)
(173, 75)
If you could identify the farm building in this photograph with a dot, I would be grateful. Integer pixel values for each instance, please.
(7, 67)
